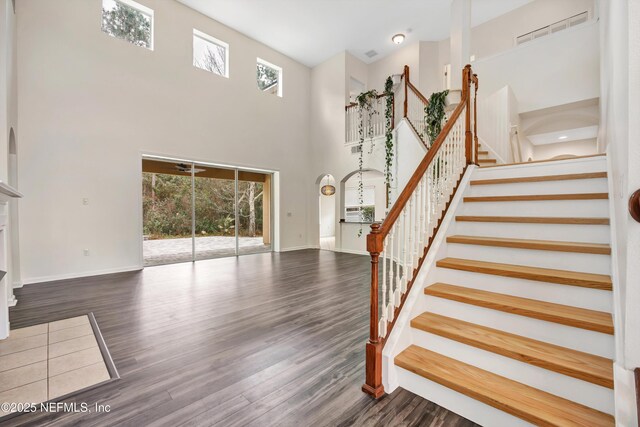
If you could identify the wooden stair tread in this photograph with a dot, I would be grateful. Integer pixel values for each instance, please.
(583, 318)
(549, 275)
(537, 197)
(487, 160)
(545, 245)
(584, 366)
(520, 400)
(542, 178)
(534, 219)
(483, 153)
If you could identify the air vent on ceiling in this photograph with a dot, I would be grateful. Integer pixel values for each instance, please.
(356, 149)
(371, 53)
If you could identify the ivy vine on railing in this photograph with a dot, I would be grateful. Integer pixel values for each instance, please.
(366, 105)
(435, 114)
(388, 137)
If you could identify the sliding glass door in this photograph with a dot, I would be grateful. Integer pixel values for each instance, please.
(194, 211)
(167, 212)
(215, 213)
(254, 219)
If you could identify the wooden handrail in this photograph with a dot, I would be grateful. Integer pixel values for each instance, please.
(417, 93)
(377, 239)
(403, 198)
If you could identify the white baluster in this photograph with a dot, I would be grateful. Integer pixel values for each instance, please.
(384, 281)
(405, 247)
(398, 261)
(391, 291)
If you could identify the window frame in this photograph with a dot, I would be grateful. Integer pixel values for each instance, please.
(145, 10)
(274, 67)
(210, 39)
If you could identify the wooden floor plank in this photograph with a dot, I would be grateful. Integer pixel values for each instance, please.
(577, 364)
(534, 219)
(231, 341)
(520, 400)
(549, 275)
(540, 178)
(543, 245)
(592, 320)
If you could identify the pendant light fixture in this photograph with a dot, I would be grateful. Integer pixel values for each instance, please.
(327, 189)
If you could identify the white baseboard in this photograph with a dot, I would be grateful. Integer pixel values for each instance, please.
(352, 251)
(17, 285)
(54, 278)
(625, 395)
(299, 248)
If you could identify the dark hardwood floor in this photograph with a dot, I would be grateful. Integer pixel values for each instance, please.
(261, 340)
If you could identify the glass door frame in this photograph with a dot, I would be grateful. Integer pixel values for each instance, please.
(237, 169)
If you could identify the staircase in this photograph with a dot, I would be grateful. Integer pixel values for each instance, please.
(491, 290)
(485, 158)
(517, 312)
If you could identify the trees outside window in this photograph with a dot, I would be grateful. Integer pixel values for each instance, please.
(210, 54)
(269, 77)
(128, 21)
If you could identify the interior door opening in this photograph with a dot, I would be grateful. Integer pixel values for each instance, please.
(194, 211)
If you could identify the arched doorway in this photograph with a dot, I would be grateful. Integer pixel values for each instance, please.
(326, 185)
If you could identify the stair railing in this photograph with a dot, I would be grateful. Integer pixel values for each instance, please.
(414, 106)
(399, 244)
(377, 125)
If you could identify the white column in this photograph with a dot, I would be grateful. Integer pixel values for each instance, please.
(460, 36)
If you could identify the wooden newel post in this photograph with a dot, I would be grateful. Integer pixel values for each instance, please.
(466, 98)
(406, 90)
(373, 379)
(475, 116)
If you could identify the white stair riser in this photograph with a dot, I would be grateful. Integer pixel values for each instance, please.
(556, 208)
(547, 187)
(594, 164)
(576, 296)
(576, 338)
(585, 263)
(562, 232)
(467, 407)
(585, 393)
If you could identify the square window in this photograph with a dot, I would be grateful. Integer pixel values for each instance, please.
(128, 20)
(269, 77)
(210, 54)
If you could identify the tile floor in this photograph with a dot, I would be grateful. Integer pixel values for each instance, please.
(50, 360)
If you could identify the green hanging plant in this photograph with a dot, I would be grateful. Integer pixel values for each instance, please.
(435, 115)
(388, 136)
(366, 108)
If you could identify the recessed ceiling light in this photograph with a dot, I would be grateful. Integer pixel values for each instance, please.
(398, 38)
(563, 137)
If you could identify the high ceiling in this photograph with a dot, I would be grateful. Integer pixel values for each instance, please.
(311, 31)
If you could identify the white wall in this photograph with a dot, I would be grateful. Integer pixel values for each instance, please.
(430, 68)
(557, 69)
(90, 105)
(499, 34)
(328, 96)
(584, 147)
(8, 121)
(394, 64)
(495, 119)
(620, 133)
